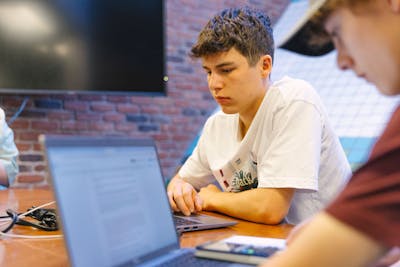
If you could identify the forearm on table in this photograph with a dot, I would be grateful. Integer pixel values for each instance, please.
(261, 205)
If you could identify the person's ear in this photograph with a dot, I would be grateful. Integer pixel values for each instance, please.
(266, 66)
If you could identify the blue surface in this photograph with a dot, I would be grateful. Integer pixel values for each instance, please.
(357, 149)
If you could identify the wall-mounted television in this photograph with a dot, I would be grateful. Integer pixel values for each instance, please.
(86, 46)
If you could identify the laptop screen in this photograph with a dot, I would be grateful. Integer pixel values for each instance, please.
(112, 200)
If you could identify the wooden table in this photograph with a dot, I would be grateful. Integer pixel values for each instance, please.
(52, 252)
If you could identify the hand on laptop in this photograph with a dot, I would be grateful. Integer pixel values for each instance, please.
(183, 197)
(206, 193)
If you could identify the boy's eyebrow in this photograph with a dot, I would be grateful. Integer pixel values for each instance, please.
(221, 65)
(224, 64)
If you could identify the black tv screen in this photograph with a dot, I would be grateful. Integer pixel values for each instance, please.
(50, 46)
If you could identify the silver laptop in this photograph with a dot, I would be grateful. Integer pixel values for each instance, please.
(197, 222)
(112, 203)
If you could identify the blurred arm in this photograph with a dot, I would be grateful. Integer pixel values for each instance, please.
(325, 241)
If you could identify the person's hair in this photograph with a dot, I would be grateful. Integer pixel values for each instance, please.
(318, 35)
(247, 30)
(331, 5)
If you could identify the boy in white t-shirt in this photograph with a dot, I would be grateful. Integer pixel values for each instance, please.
(274, 139)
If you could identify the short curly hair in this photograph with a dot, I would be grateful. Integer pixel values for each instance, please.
(246, 29)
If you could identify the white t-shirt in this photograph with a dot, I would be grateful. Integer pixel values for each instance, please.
(290, 144)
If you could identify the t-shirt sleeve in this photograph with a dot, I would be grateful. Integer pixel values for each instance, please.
(196, 169)
(371, 201)
(292, 159)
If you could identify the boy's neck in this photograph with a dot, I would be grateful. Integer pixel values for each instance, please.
(245, 120)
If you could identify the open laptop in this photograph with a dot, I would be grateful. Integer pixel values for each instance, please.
(112, 202)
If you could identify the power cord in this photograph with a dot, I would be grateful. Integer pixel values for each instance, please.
(47, 221)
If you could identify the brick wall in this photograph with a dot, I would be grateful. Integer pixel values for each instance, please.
(173, 121)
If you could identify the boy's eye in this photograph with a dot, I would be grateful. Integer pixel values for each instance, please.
(226, 70)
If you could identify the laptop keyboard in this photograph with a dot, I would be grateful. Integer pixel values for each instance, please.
(188, 259)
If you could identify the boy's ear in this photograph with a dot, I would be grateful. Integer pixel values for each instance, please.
(266, 67)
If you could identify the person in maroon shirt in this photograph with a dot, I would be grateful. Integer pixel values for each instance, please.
(362, 226)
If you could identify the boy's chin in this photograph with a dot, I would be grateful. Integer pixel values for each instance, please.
(228, 110)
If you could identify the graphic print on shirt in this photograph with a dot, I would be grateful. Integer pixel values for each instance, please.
(244, 181)
(237, 175)
(245, 178)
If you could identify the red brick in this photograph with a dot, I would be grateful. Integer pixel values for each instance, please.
(181, 120)
(101, 126)
(181, 138)
(15, 102)
(24, 146)
(60, 115)
(142, 100)
(76, 105)
(40, 168)
(116, 117)
(22, 178)
(151, 109)
(171, 110)
(94, 97)
(161, 137)
(103, 106)
(128, 108)
(20, 124)
(168, 146)
(45, 126)
(74, 125)
(37, 147)
(118, 99)
(125, 127)
(28, 136)
(88, 116)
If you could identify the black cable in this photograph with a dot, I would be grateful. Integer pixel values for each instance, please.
(40, 225)
(46, 219)
(14, 218)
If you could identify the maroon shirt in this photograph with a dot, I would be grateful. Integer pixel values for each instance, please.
(370, 202)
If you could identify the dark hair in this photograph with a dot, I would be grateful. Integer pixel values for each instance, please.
(248, 30)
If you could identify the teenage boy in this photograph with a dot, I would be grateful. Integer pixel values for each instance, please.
(272, 138)
(363, 223)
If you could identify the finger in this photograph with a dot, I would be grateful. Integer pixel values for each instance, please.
(198, 203)
(178, 197)
(189, 196)
(171, 201)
